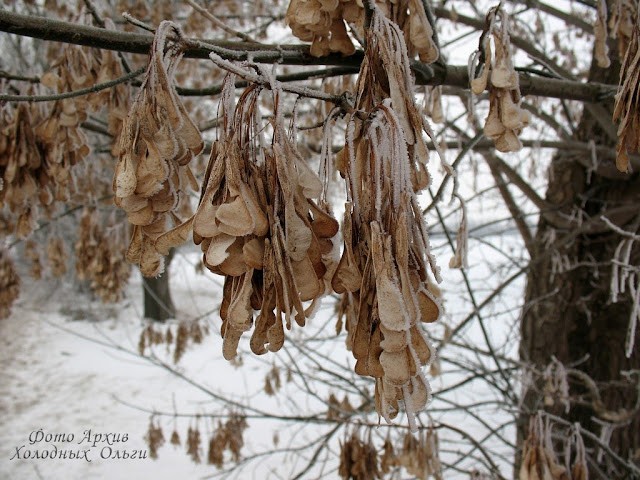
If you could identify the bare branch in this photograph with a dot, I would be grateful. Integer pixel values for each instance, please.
(436, 74)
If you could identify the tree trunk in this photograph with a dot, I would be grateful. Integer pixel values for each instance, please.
(157, 296)
(568, 313)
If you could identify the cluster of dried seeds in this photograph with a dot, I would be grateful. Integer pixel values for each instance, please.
(272, 381)
(157, 142)
(539, 461)
(100, 257)
(174, 337)
(25, 177)
(228, 436)
(339, 409)
(9, 284)
(411, 17)
(627, 106)
(358, 459)
(57, 256)
(39, 148)
(32, 253)
(420, 455)
(259, 225)
(384, 272)
(154, 437)
(323, 22)
(615, 19)
(193, 444)
(506, 119)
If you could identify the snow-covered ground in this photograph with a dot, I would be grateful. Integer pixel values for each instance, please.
(70, 365)
(57, 379)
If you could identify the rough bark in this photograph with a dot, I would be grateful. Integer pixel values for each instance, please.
(568, 313)
(158, 304)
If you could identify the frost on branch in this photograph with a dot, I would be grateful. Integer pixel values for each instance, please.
(262, 223)
(157, 142)
(506, 119)
(384, 272)
(322, 22)
(627, 108)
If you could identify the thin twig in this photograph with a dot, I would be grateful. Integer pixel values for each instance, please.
(76, 93)
(218, 23)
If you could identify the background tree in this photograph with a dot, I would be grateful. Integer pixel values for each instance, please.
(581, 263)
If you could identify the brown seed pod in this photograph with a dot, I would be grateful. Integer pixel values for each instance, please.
(157, 142)
(384, 270)
(9, 284)
(506, 119)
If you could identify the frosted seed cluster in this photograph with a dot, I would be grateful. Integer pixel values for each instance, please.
(157, 143)
(324, 24)
(506, 119)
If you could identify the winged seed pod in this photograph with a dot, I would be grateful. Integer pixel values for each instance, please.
(322, 22)
(385, 265)
(157, 142)
(506, 119)
(258, 223)
(627, 107)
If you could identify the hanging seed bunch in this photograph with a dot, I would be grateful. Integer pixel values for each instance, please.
(506, 119)
(57, 256)
(627, 107)
(258, 224)
(322, 22)
(100, 256)
(158, 141)
(154, 437)
(384, 272)
(193, 443)
(38, 148)
(616, 19)
(411, 17)
(217, 444)
(9, 284)
(339, 410)
(65, 142)
(26, 183)
(228, 436)
(358, 459)
(272, 383)
(538, 457)
(32, 251)
(420, 456)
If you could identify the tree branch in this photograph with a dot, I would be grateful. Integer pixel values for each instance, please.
(437, 74)
(74, 93)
